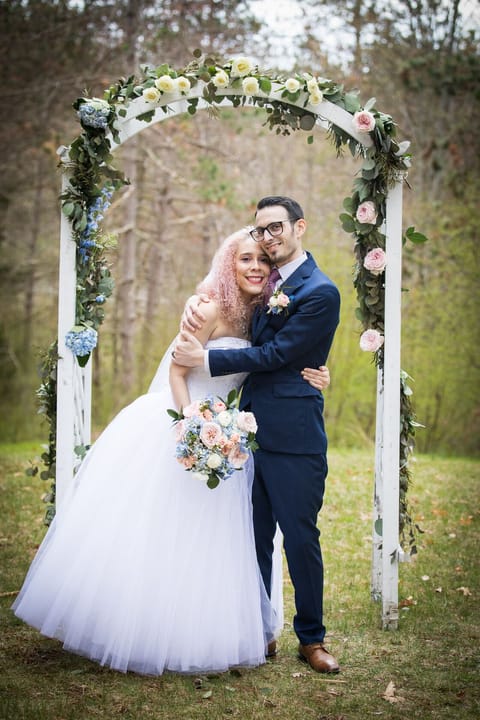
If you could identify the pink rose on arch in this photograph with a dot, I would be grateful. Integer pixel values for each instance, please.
(211, 434)
(363, 121)
(371, 341)
(375, 261)
(367, 213)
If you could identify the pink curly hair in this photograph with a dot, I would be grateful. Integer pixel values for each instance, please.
(221, 282)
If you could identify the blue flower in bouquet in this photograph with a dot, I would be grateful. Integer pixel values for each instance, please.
(213, 438)
(94, 113)
(81, 341)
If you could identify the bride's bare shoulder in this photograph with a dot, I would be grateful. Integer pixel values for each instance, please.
(210, 309)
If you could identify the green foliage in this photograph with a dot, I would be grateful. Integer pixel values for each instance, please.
(47, 406)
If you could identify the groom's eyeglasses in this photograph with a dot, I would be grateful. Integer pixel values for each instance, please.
(274, 229)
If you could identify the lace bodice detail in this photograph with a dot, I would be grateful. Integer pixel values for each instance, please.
(199, 383)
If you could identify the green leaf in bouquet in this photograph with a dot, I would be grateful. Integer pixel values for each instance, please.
(213, 482)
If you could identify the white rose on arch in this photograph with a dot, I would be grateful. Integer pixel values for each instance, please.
(220, 79)
(241, 67)
(165, 84)
(250, 86)
(371, 340)
(183, 84)
(292, 85)
(315, 97)
(151, 94)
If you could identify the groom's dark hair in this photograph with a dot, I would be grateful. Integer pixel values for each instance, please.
(292, 207)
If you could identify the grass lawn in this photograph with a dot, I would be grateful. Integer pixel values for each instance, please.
(432, 660)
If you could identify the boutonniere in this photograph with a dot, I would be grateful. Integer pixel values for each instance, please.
(279, 302)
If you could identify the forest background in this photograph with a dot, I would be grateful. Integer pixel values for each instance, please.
(194, 180)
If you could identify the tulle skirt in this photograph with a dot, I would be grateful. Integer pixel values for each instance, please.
(145, 568)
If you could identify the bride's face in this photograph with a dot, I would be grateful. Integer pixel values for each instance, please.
(252, 267)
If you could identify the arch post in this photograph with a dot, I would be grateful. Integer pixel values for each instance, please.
(73, 382)
(386, 549)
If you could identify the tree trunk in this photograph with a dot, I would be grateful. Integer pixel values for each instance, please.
(127, 249)
(32, 245)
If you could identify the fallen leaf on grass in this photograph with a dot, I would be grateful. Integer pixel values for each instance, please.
(407, 602)
(207, 695)
(269, 703)
(465, 590)
(390, 695)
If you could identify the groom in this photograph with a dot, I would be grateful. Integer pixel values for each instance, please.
(291, 463)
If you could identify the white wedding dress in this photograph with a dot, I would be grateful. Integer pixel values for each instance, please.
(145, 568)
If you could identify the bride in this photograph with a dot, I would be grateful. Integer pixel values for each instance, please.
(146, 568)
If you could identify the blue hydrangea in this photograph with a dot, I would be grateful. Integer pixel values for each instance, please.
(100, 299)
(81, 342)
(95, 215)
(94, 113)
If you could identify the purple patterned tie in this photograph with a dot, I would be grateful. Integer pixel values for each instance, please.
(271, 282)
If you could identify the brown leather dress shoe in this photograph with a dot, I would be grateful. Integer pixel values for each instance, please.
(271, 649)
(318, 657)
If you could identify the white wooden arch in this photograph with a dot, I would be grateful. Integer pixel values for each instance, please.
(74, 383)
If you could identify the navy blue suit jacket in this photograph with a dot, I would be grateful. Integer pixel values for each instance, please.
(288, 410)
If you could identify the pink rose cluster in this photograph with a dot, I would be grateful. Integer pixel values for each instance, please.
(213, 438)
(375, 261)
(371, 340)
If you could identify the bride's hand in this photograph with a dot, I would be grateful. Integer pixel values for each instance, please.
(189, 351)
(319, 379)
(192, 318)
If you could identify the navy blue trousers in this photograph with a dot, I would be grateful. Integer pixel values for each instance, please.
(289, 489)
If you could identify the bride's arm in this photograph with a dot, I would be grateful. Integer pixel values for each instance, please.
(178, 385)
(179, 373)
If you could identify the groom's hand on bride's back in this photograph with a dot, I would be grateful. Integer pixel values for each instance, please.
(193, 318)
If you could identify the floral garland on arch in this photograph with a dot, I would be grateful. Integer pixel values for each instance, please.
(93, 179)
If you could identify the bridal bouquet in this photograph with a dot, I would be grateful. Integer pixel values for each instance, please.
(213, 437)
